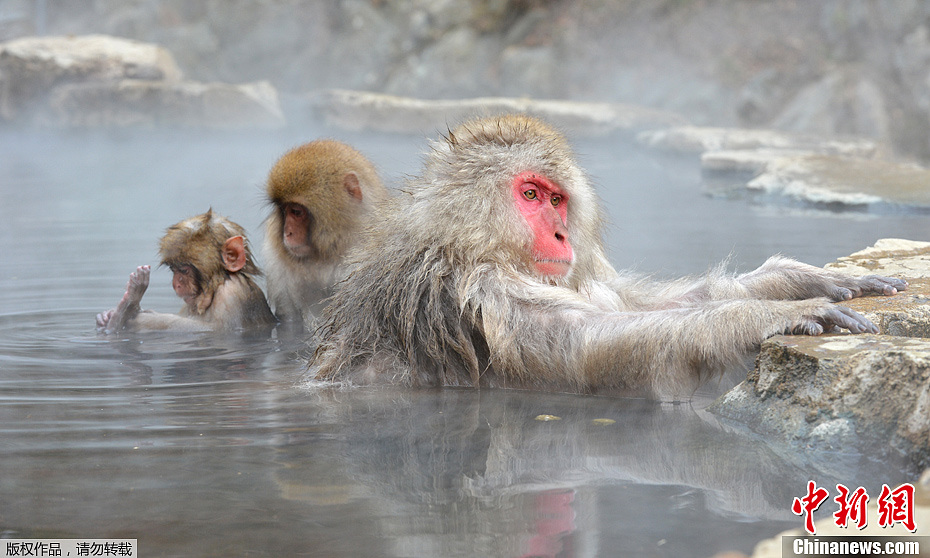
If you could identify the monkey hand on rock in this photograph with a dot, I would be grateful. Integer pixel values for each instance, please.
(827, 317)
(781, 278)
(847, 287)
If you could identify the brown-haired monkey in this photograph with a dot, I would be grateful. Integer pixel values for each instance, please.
(490, 271)
(212, 272)
(321, 193)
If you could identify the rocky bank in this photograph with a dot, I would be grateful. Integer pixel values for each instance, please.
(867, 393)
(831, 67)
(96, 81)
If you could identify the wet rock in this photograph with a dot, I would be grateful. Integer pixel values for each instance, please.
(922, 489)
(358, 110)
(829, 179)
(851, 392)
(798, 167)
(906, 314)
(810, 66)
(839, 393)
(742, 161)
(803, 168)
(154, 103)
(32, 67)
(102, 81)
(889, 256)
(697, 139)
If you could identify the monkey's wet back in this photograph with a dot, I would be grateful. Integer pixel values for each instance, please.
(204, 445)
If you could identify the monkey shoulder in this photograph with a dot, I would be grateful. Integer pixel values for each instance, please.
(239, 303)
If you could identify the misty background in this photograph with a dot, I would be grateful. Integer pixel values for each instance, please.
(832, 67)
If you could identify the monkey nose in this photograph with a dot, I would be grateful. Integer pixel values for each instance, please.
(561, 232)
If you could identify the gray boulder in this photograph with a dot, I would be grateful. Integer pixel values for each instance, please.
(359, 110)
(183, 104)
(839, 393)
(828, 179)
(806, 168)
(867, 393)
(103, 81)
(33, 67)
(703, 139)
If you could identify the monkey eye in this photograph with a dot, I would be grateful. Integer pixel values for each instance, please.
(555, 200)
(530, 194)
(296, 210)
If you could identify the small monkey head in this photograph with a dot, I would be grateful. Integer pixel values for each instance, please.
(319, 191)
(202, 252)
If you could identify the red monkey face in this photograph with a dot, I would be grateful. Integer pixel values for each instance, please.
(296, 234)
(545, 207)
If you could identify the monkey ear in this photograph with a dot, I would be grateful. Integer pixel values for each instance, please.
(234, 254)
(350, 181)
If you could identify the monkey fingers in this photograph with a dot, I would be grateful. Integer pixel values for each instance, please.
(869, 284)
(128, 306)
(103, 319)
(845, 318)
(139, 282)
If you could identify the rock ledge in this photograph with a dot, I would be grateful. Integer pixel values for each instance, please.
(851, 392)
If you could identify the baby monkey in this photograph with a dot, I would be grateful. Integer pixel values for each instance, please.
(213, 269)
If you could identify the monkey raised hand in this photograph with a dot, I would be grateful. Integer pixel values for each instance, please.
(490, 271)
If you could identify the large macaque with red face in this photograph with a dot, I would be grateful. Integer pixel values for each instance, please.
(321, 194)
(212, 272)
(490, 271)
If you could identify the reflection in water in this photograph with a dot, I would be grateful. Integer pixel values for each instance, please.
(210, 445)
(456, 471)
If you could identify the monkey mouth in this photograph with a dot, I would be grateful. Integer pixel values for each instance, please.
(300, 251)
(187, 297)
(553, 268)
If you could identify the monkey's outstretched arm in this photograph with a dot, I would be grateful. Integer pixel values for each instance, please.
(662, 354)
(158, 321)
(128, 314)
(779, 278)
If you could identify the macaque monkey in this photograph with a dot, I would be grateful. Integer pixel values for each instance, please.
(490, 271)
(321, 193)
(213, 269)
